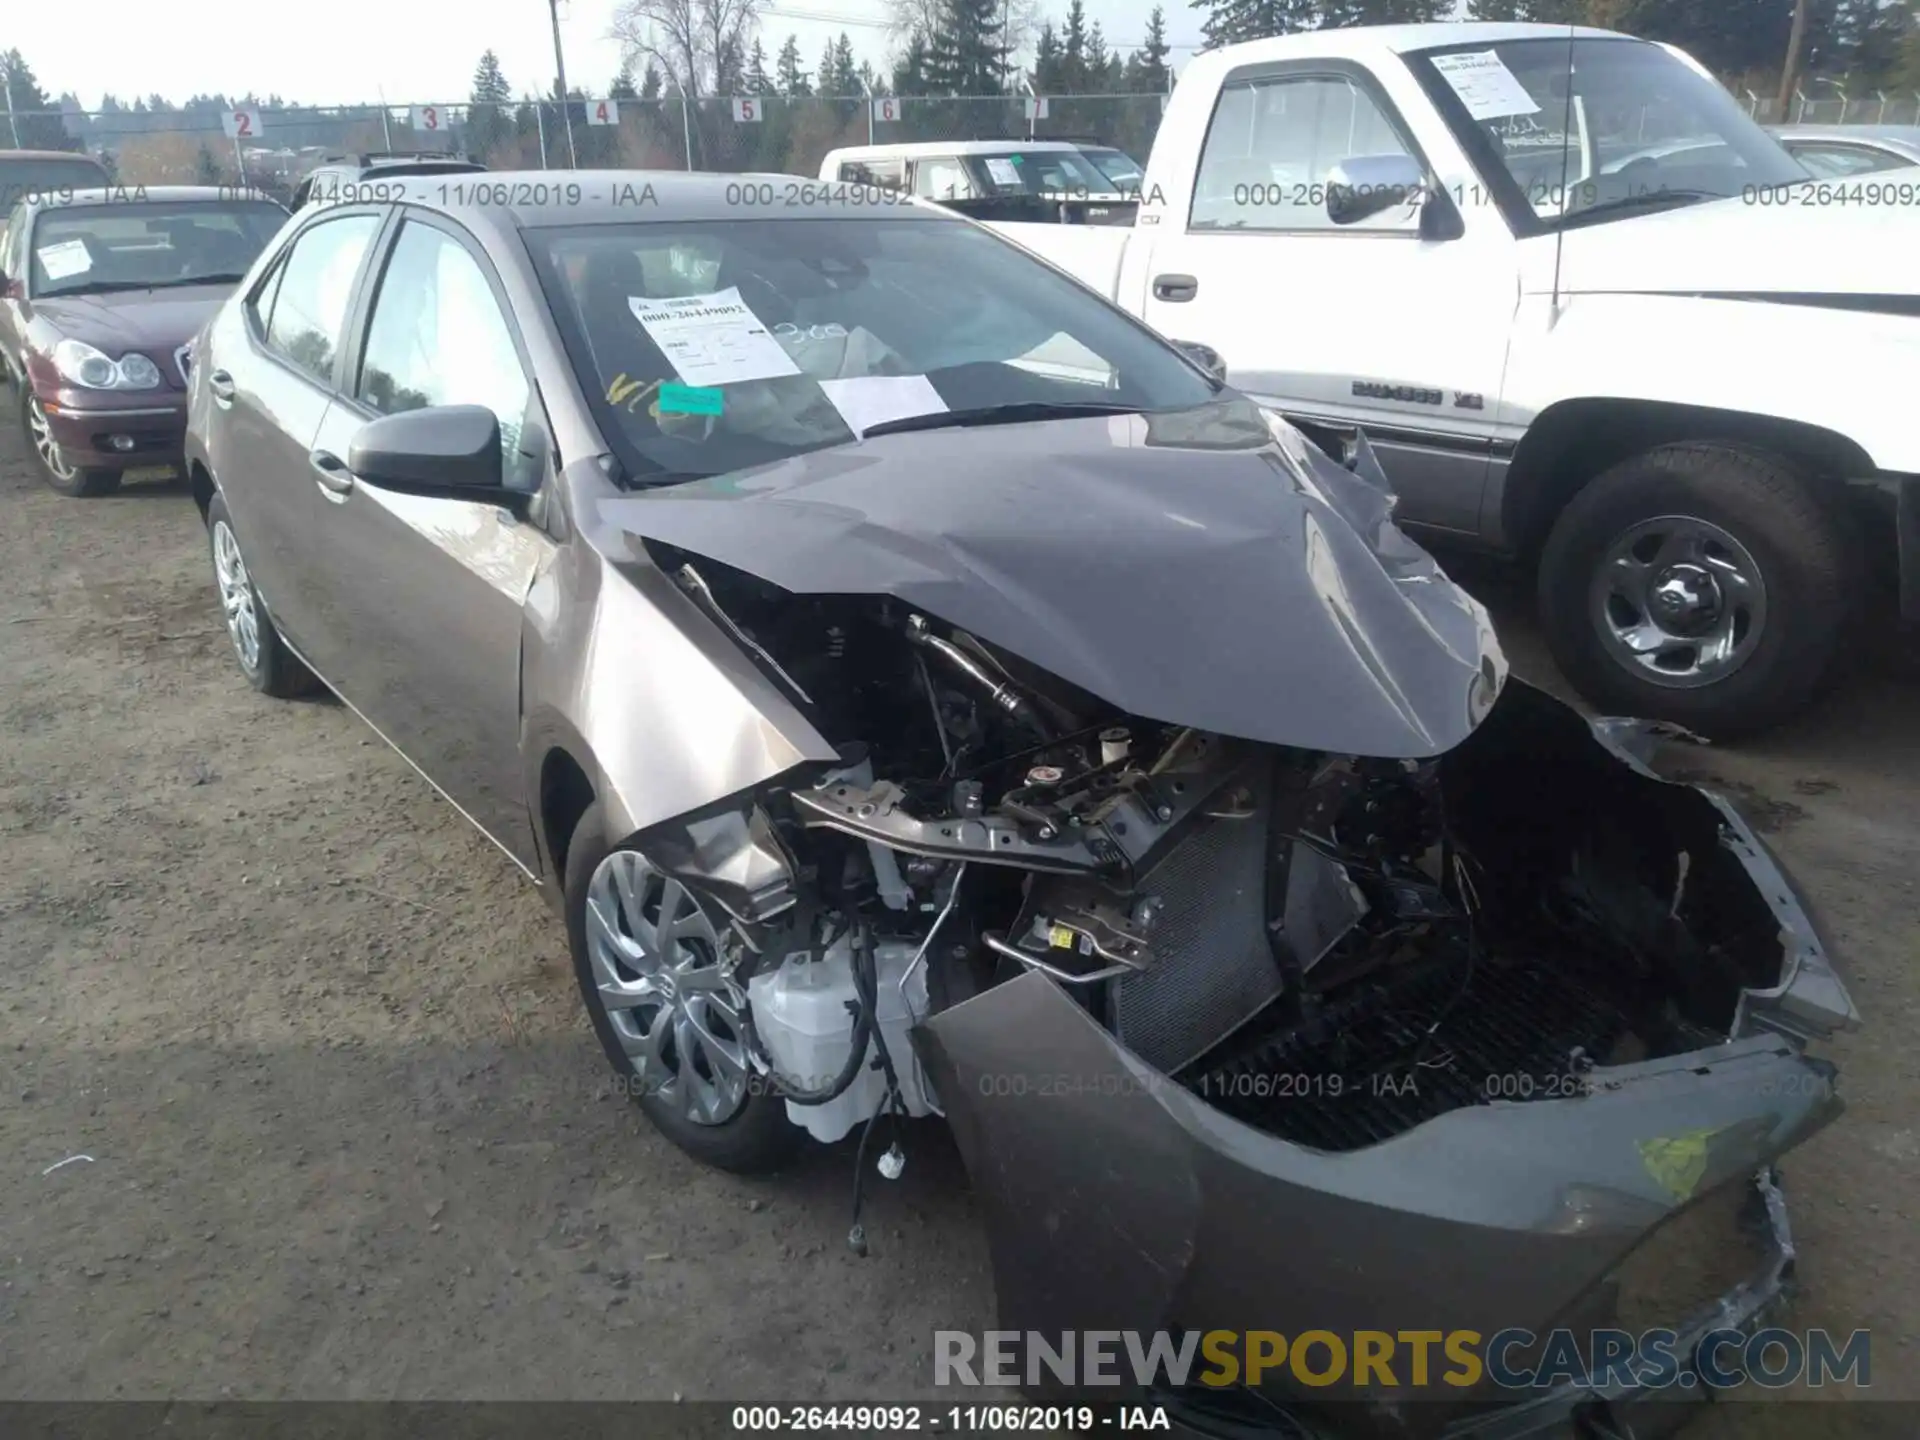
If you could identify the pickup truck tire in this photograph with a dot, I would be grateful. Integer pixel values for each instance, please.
(1703, 584)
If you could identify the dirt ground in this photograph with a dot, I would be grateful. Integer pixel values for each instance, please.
(348, 1132)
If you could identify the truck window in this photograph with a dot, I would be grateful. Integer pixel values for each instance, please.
(944, 178)
(1273, 143)
(887, 174)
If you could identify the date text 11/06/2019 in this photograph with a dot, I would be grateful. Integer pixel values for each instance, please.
(1281, 1085)
(949, 1419)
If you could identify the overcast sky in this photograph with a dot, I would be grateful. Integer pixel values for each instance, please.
(351, 50)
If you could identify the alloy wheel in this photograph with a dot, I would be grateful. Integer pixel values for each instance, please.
(236, 595)
(44, 445)
(1679, 601)
(656, 958)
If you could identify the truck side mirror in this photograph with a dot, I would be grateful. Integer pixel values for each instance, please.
(1205, 356)
(1362, 186)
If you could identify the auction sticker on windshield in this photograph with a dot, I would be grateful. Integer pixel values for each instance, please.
(1003, 171)
(1485, 86)
(712, 339)
(66, 259)
(868, 400)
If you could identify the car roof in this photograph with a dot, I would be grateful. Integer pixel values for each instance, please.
(502, 201)
(151, 194)
(6, 155)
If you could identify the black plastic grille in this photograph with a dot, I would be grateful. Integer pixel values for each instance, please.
(1365, 1068)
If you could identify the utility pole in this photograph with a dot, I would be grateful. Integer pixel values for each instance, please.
(6, 83)
(1790, 71)
(560, 67)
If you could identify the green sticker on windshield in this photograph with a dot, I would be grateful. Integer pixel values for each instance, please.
(691, 400)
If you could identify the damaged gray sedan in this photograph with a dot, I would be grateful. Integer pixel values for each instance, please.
(925, 691)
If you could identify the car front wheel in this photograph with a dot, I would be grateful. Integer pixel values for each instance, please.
(647, 953)
(1702, 584)
(50, 460)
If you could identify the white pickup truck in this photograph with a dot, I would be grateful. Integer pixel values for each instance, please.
(1586, 312)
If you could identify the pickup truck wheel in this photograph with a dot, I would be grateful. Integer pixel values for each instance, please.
(646, 953)
(1702, 584)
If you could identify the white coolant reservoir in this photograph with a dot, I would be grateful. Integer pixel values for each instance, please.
(800, 1012)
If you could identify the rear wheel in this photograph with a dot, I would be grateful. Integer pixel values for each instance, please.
(1701, 584)
(646, 953)
(50, 460)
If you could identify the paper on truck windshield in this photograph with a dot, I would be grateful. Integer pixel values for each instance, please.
(66, 259)
(1003, 171)
(712, 339)
(1485, 86)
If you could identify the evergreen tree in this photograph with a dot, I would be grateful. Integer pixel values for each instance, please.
(1230, 21)
(790, 79)
(966, 54)
(652, 83)
(758, 81)
(1049, 70)
(23, 93)
(1147, 71)
(1073, 46)
(622, 86)
(910, 71)
(487, 121)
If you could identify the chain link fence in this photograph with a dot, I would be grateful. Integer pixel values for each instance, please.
(276, 147)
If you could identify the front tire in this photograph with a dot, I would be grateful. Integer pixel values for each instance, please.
(59, 473)
(1701, 584)
(263, 657)
(646, 953)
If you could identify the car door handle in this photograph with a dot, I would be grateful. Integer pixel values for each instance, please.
(1176, 288)
(220, 385)
(332, 473)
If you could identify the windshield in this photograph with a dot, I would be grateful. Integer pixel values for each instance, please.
(716, 346)
(1041, 172)
(1626, 126)
(1118, 166)
(134, 245)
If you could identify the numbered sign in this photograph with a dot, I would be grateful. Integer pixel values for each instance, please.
(429, 117)
(604, 112)
(1036, 107)
(241, 124)
(746, 109)
(887, 108)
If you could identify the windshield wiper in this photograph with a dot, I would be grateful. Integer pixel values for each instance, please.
(1647, 200)
(107, 287)
(1018, 413)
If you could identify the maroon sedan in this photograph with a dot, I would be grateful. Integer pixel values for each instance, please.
(101, 293)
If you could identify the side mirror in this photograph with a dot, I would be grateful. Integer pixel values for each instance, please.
(1205, 356)
(1362, 186)
(452, 451)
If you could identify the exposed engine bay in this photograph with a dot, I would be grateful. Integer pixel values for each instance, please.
(1331, 948)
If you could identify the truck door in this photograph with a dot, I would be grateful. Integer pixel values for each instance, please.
(1364, 325)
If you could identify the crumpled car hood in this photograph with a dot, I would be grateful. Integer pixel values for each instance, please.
(1206, 568)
